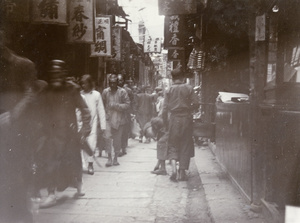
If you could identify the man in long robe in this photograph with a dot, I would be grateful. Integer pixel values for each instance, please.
(127, 129)
(94, 102)
(179, 103)
(58, 156)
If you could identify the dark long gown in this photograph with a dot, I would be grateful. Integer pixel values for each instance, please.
(57, 153)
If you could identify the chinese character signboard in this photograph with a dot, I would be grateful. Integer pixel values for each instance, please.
(81, 25)
(102, 46)
(15, 10)
(152, 45)
(49, 11)
(116, 43)
(174, 31)
(175, 54)
(177, 7)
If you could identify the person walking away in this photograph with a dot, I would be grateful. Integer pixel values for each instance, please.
(144, 108)
(127, 128)
(161, 146)
(17, 93)
(116, 103)
(180, 101)
(58, 156)
(94, 102)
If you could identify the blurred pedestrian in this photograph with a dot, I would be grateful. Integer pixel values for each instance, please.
(17, 85)
(94, 102)
(58, 156)
(179, 102)
(144, 110)
(117, 104)
(159, 103)
(127, 128)
(161, 146)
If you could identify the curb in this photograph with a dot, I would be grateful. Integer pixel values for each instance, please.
(225, 203)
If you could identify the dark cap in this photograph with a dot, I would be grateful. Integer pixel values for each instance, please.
(177, 72)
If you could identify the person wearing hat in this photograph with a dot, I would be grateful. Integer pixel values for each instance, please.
(58, 156)
(179, 103)
(117, 104)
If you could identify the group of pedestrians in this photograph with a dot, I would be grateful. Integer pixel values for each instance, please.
(46, 125)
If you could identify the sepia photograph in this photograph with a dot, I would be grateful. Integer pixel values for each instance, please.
(149, 111)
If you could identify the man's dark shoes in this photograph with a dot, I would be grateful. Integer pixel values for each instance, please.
(116, 163)
(159, 172)
(90, 169)
(173, 177)
(108, 163)
(156, 168)
(123, 153)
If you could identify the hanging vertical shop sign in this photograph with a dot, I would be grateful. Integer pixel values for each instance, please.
(175, 54)
(15, 10)
(49, 11)
(116, 43)
(81, 17)
(174, 31)
(152, 45)
(102, 46)
(177, 7)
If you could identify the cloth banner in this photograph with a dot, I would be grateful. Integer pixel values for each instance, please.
(81, 21)
(49, 12)
(102, 47)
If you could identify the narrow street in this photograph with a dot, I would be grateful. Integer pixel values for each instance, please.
(130, 193)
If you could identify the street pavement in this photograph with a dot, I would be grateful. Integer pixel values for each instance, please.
(130, 193)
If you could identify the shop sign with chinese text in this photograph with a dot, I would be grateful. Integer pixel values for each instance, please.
(152, 45)
(174, 31)
(116, 43)
(15, 10)
(175, 54)
(49, 11)
(177, 7)
(81, 21)
(102, 46)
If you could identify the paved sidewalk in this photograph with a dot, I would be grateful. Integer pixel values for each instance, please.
(124, 193)
(225, 203)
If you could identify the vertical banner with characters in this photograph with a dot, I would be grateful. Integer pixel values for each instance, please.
(116, 43)
(102, 46)
(15, 10)
(49, 11)
(174, 31)
(152, 45)
(81, 21)
(176, 54)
